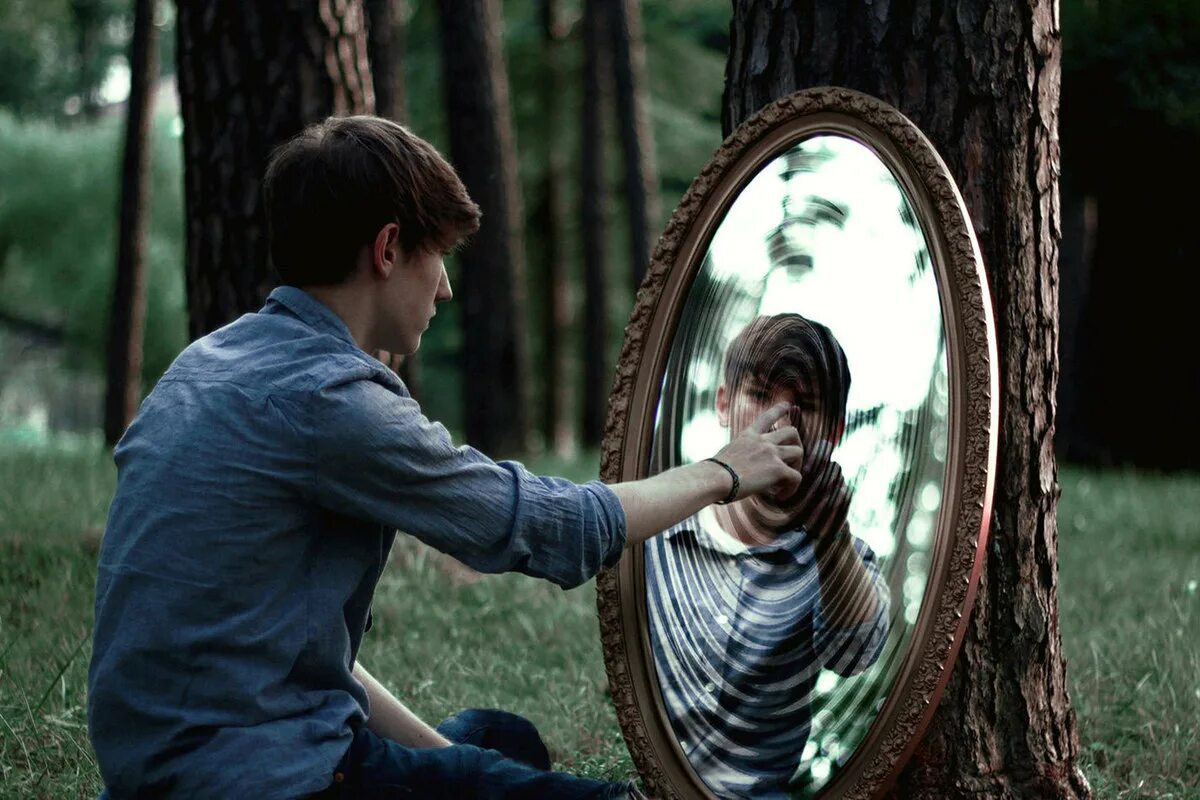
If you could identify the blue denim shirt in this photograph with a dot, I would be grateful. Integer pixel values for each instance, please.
(259, 491)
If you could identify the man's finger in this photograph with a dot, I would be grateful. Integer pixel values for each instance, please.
(791, 454)
(785, 435)
(769, 417)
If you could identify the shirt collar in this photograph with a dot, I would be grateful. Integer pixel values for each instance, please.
(311, 311)
(794, 542)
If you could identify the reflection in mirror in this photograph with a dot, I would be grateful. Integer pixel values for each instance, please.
(778, 625)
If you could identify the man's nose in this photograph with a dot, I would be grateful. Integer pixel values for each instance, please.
(444, 293)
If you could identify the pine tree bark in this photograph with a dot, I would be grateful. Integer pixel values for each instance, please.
(127, 314)
(637, 136)
(551, 224)
(981, 79)
(492, 283)
(385, 51)
(251, 76)
(593, 208)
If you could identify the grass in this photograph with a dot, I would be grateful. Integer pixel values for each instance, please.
(445, 640)
(1129, 595)
(52, 505)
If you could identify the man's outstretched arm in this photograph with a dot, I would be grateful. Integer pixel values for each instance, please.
(391, 719)
(762, 456)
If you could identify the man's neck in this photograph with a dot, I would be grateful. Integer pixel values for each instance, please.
(351, 306)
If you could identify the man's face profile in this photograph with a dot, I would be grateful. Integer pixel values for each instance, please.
(407, 287)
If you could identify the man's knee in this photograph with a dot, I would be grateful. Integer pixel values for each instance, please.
(511, 734)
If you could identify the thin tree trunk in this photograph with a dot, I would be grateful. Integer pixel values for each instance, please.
(89, 19)
(495, 354)
(385, 49)
(127, 316)
(981, 79)
(593, 206)
(637, 136)
(251, 76)
(556, 299)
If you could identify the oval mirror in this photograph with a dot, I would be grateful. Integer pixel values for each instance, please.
(795, 647)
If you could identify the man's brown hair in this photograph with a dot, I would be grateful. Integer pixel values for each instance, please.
(786, 350)
(331, 188)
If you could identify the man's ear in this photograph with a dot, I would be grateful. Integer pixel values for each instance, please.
(723, 405)
(385, 251)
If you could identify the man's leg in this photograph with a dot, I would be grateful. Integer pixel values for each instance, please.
(510, 734)
(376, 768)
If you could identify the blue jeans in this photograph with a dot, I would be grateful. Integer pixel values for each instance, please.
(496, 755)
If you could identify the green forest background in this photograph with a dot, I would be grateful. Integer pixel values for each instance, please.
(1129, 69)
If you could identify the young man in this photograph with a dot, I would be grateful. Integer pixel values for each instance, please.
(262, 483)
(750, 601)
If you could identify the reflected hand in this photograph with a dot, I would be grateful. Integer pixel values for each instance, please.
(765, 457)
(824, 498)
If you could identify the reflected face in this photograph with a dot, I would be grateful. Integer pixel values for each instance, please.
(785, 509)
(737, 409)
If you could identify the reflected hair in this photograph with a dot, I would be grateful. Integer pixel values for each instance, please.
(786, 350)
(331, 188)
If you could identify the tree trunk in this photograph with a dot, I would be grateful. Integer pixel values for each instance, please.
(593, 207)
(492, 284)
(637, 136)
(250, 77)
(551, 224)
(981, 79)
(127, 316)
(89, 17)
(385, 50)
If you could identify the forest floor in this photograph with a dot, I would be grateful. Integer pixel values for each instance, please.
(445, 639)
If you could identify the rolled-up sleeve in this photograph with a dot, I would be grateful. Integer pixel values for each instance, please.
(848, 651)
(379, 458)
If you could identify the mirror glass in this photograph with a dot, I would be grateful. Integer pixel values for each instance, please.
(778, 625)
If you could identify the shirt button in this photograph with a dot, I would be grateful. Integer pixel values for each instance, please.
(710, 687)
(722, 619)
(338, 777)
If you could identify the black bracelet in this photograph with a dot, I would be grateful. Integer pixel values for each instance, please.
(737, 482)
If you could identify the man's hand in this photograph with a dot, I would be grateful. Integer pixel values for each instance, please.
(761, 457)
(824, 500)
(820, 500)
(764, 456)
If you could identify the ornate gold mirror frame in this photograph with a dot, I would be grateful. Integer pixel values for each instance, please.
(961, 531)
